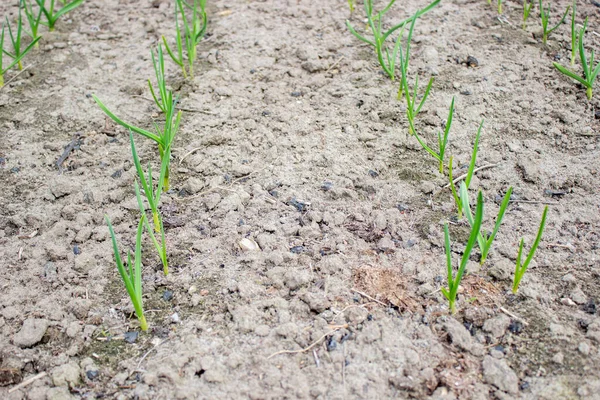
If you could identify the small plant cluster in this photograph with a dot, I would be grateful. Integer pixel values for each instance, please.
(398, 59)
(590, 69)
(163, 136)
(18, 46)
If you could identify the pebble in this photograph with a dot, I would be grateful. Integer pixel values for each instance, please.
(567, 302)
(497, 326)
(168, 295)
(175, 318)
(584, 348)
(558, 358)
(248, 245)
(131, 337)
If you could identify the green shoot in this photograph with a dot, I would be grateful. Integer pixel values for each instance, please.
(442, 139)
(351, 5)
(484, 240)
(165, 101)
(16, 59)
(33, 20)
(574, 33)
(163, 139)
(521, 268)
(193, 33)
(405, 58)
(527, 6)
(470, 172)
(545, 16)
(51, 15)
(499, 6)
(454, 282)
(386, 60)
(16, 41)
(132, 276)
(153, 199)
(590, 72)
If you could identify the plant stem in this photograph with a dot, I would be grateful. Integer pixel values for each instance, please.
(588, 92)
(143, 323)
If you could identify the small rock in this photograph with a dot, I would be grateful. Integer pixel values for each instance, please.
(386, 243)
(558, 358)
(262, 330)
(92, 374)
(459, 335)
(248, 245)
(590, 307)
(31, 333)
(498, 373)
(131, 337)
(568, 278)
(168, 295)
(175, 318)
(578, 296)
(584, 348)
(567, 302)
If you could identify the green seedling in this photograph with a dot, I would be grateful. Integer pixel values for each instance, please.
(412, 108)
(405, 58)
(590, 72)
(454, 282)
(15, 59)
(53, 15)
(15, 38)
(351, 5)
(527, 6)
(163, 139)
(165, 99)
(132, 275)
(193, 33)
(521, 268)
(470, 172)
(545, 16)
(442, 139)
(574, 33)
(484, 240)
(33, 20)
(499, 6)
(153, 198)
(386, 60)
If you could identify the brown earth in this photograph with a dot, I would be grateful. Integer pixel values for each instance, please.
(292, 137)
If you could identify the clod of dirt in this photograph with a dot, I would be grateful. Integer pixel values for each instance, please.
(66, 375)
(460, 337)
(31, 332)
(497, 326)
(498, 373)
(10, 376)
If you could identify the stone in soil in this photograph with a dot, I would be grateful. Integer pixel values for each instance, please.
(498, 373)
(31, 332)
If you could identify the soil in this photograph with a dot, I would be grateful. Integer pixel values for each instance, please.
(293, 138)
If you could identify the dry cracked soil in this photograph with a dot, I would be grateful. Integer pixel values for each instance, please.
(293, 139)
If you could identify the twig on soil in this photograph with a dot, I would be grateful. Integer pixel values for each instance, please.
(28, 382)
(553, 203)
(368, 297)
(505, 311)
(316, 356)
(70, 147)
(148, 352)
(460, 178)
(177, 107)
(334, 64)
(335, 328)
(16, 76)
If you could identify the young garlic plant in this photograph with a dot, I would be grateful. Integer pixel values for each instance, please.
(16, 59)
(545, 16)
(193, 32)
(590, 72)
(527, 6)
(132, 275)
(469, 176)
(374, 20)
(153, 199)
(521, 268)
(16, 40)
(33, 19)
(454, 282)
(485, 239)
(53, 15)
